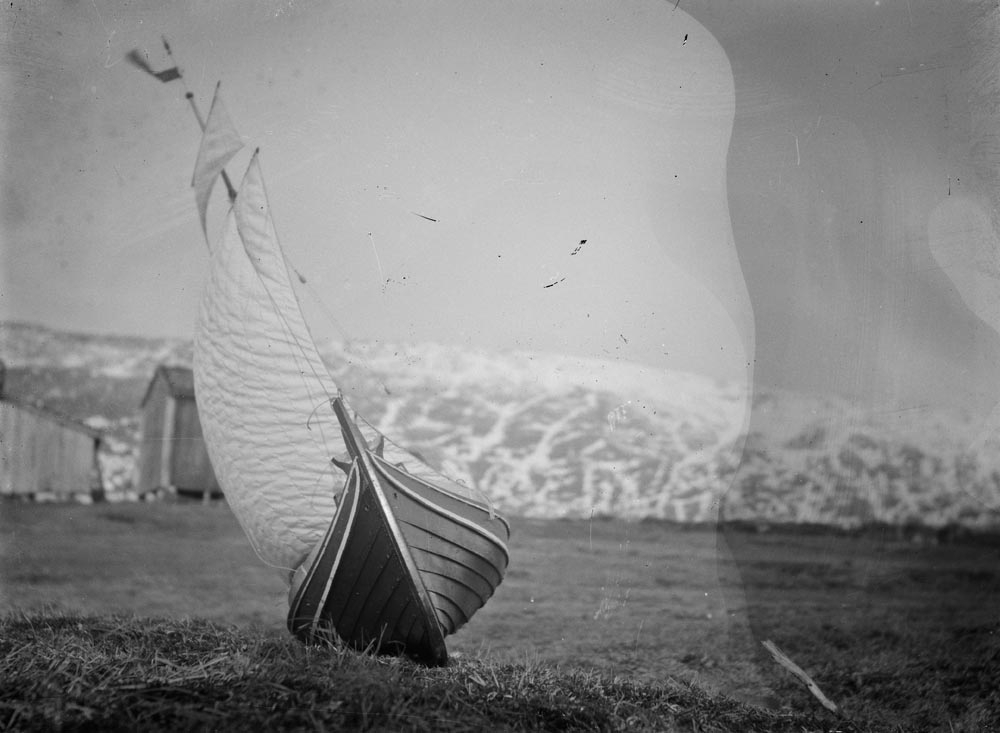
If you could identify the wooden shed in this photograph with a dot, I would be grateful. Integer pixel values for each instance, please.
(172, 454)
(45, 454)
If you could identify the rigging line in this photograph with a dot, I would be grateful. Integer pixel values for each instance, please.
(279, 312)
(328, 314)
(316, 409)
(290, 332)
(251, 538)
(305, 353)
(360, 356)
(318, 490)
(284, 322)
(473, 489)
(249, 534)
(189, 96)
(378, 261)
(299, 358)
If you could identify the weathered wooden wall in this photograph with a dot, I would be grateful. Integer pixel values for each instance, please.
(173, 452)
(39, 454)
(151, 465)
(191, 468)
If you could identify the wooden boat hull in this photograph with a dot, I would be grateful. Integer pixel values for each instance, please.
(403, 563)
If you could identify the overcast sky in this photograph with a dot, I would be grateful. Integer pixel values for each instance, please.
(521, 130)
(785, 184)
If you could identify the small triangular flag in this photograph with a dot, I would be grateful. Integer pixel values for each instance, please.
(168, 74)
(136, 58)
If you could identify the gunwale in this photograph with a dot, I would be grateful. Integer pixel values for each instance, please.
(396, 571)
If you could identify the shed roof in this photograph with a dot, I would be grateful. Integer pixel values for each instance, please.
(40, 410)
(179, 380)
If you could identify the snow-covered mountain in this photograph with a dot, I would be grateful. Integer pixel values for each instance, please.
(828, 461)
(29, 345)
(553, 436)
(556, 436)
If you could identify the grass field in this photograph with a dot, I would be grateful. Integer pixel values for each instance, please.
(900, 636)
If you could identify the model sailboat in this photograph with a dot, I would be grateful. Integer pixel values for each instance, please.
(394, 558)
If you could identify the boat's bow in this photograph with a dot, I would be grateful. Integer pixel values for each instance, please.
(403, 564)
(404, 560)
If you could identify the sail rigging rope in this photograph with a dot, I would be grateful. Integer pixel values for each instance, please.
(307, 353)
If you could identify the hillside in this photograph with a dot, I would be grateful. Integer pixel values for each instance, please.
(553, 436)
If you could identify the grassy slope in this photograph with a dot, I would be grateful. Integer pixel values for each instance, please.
(891, 632)
(130, 674)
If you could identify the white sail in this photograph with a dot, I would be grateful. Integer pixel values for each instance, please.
(262, 390)
(219, 143)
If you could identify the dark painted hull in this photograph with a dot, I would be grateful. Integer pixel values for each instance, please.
(403, 563)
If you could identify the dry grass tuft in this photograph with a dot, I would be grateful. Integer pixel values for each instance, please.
(116, 673)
